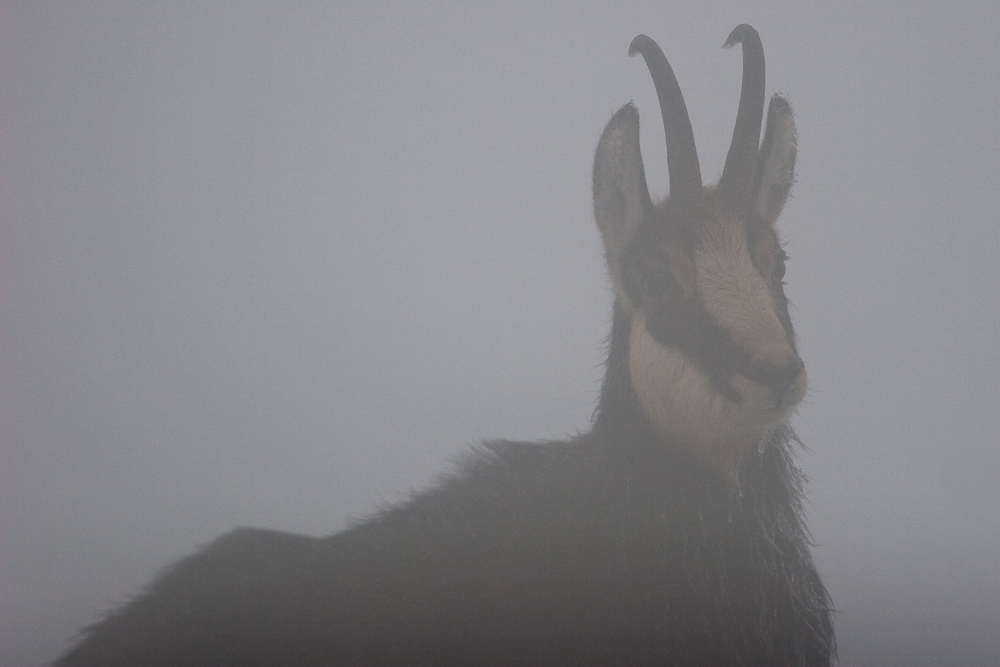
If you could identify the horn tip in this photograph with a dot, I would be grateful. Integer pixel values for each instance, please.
(740, 34)
(639, 44)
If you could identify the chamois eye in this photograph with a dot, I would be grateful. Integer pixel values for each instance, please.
(654, 284)
(779, 265)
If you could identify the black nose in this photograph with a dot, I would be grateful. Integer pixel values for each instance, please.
(776, 378)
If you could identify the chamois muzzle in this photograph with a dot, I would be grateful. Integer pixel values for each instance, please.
(782, 381)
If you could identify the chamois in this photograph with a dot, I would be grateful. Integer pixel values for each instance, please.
(669, 534)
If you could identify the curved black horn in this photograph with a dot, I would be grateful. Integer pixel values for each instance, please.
(682, 157)
(736, 184)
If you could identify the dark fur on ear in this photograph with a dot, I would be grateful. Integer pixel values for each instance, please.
(776, 162)
(621, 197)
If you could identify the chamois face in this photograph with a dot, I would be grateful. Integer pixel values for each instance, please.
(711, 351)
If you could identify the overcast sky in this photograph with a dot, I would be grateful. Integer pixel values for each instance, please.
(274, 265)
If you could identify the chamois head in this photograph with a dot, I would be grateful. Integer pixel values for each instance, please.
(711, 354)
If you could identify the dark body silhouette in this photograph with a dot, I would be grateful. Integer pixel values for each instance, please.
(669, 534)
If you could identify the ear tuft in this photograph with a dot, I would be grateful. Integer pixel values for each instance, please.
(776, 161)
(621, 198)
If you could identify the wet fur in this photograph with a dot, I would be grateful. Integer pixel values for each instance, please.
(585, 552)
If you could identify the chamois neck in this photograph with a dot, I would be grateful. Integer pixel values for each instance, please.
(619, 415)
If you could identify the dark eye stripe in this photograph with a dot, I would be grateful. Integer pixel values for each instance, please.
(655, 284)
(690, 329)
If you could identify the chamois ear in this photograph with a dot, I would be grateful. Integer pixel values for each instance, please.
(776, 161)
(621, 198)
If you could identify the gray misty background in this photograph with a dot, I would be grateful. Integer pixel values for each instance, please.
(274, 265)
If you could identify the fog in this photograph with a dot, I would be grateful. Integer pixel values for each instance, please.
(278, 265)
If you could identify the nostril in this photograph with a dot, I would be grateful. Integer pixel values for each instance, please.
(776, 378)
